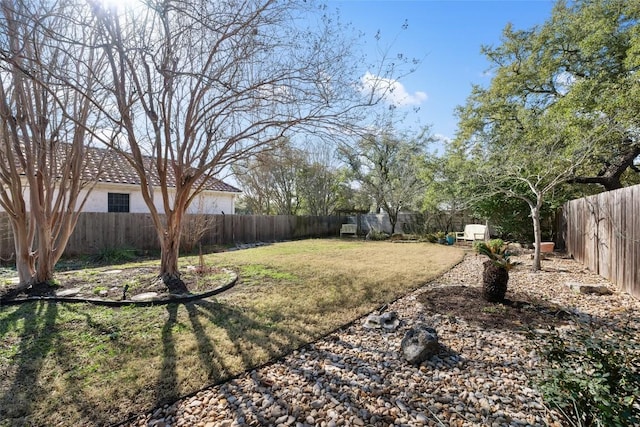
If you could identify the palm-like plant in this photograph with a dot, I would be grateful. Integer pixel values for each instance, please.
(496, 269)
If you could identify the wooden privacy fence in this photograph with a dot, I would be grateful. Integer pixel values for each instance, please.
(98, 231)
(603, 233)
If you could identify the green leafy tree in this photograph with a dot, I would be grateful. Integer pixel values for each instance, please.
(449, 195)
(547, 116)
(348, 198)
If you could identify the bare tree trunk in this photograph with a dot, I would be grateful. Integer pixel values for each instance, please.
(45, 116)
(170, 251)
(537, 236)
(393, 219)
(44, 270)
(25, 260)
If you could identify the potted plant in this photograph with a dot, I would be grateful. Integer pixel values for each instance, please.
(451, 238)
(441, 236)
(496, 269)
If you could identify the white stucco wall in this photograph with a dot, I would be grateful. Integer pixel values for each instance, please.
(210, 202)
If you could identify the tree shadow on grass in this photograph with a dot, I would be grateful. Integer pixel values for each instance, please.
(34, 327)
(254, 343)
(167, 383)
(210, 358)
(37, 338)
(247, 334)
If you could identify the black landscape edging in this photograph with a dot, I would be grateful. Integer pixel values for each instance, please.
(270, 362)
(113, 303)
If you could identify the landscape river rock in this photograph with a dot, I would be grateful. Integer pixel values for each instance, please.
(357, 376)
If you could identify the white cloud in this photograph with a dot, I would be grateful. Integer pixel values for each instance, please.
(443, 138)
(392, 91)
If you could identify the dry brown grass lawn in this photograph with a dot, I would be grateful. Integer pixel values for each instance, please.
(79, 364)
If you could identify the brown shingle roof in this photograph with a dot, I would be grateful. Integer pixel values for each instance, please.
(117, 170)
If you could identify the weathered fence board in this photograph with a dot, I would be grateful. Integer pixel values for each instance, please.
(603, 233)
(98, 231)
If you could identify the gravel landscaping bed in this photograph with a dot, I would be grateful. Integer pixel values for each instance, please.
(483, 374)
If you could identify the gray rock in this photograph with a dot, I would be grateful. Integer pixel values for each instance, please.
(515, 248)
(388, 321)
(419, 344)
(581, 288)
(372, 322)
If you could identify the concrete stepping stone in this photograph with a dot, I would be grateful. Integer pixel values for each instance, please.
(69, 292)
(145, 296)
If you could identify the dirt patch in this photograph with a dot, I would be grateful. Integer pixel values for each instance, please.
(519, 310)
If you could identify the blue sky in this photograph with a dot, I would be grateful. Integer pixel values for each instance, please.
(448, 35)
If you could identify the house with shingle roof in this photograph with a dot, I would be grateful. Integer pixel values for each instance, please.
(118, 188)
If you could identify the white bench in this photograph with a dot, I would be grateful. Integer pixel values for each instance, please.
(349, 229)
(472, 232)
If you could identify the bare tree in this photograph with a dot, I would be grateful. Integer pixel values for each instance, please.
(44, 124)
(320, 182)
(257, 184)
(199, 85)
(388, 170)
(197, 223)
(288, 180)
(270, 179)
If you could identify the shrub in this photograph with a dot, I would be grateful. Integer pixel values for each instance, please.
(431, 237)
(496, 251)
(377, 235)
(400, 236)
(592, 377)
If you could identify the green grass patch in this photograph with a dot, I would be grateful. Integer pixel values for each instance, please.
(257, 272)
(77, 364)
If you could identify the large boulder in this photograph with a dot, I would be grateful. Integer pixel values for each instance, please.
(420, 343)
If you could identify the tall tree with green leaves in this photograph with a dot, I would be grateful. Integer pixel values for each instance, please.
(549, 116)
(448, 195)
